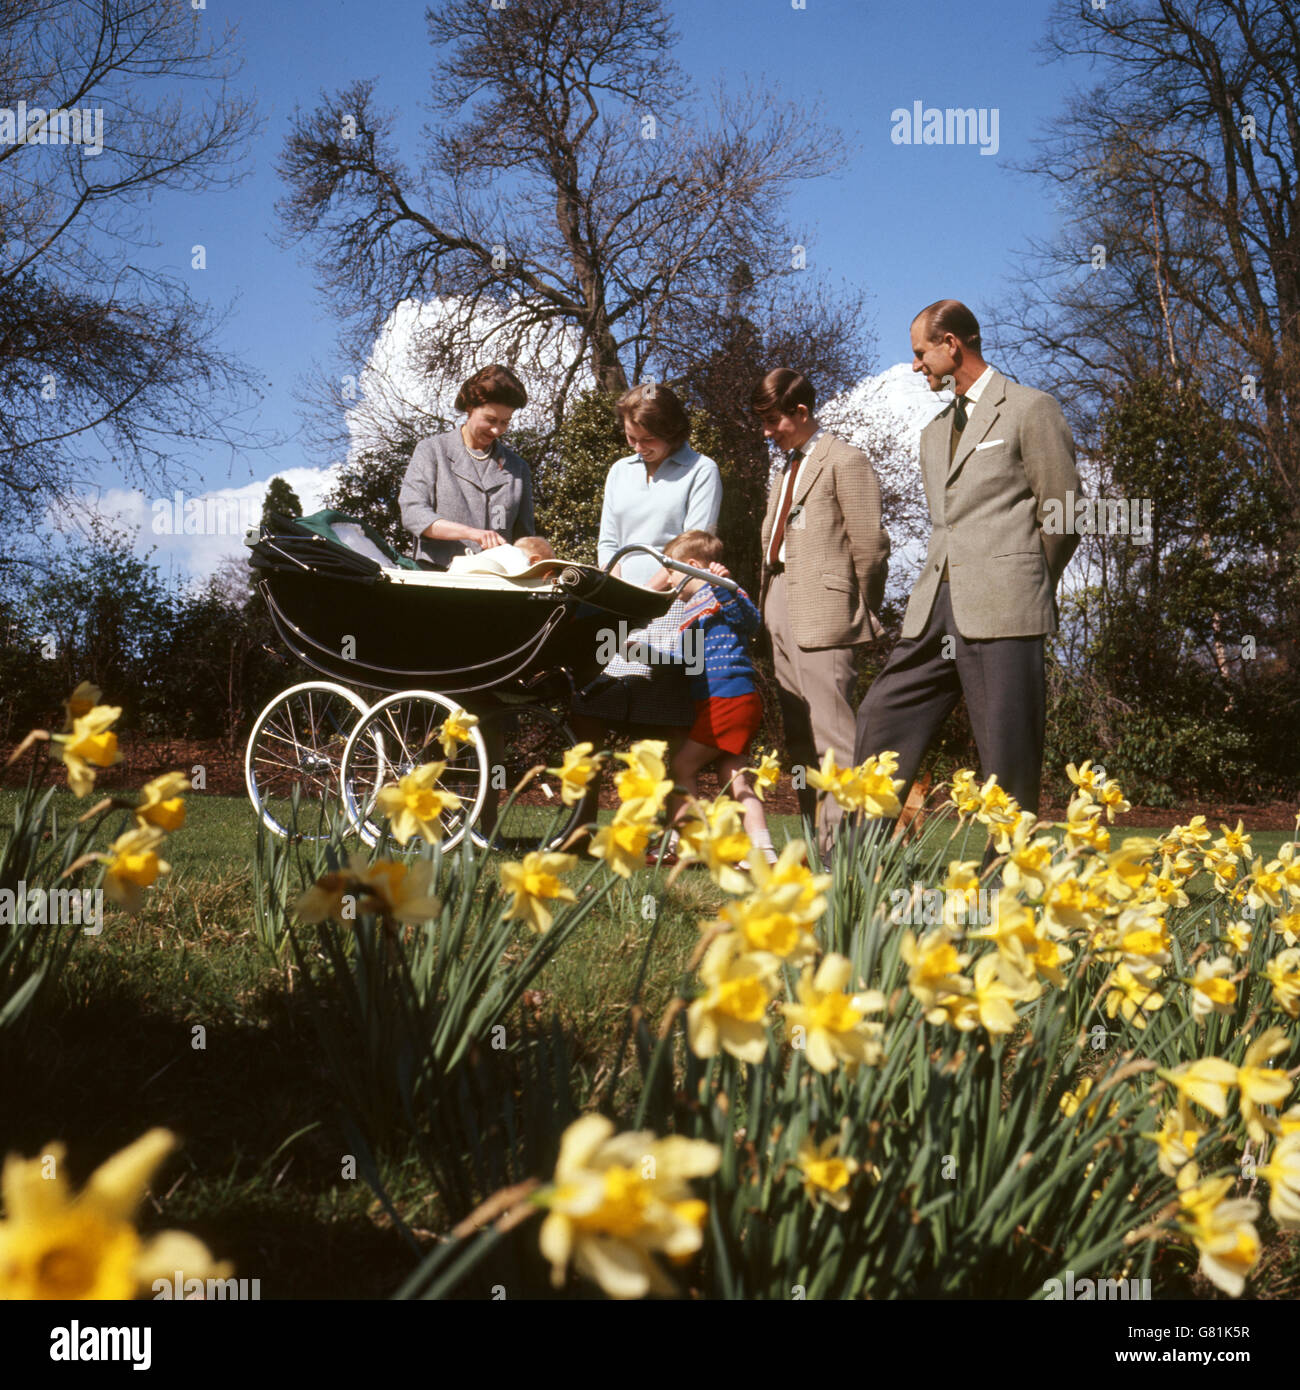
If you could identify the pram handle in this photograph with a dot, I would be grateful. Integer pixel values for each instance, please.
(689, 571)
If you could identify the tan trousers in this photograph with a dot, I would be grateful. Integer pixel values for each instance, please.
(816, 688)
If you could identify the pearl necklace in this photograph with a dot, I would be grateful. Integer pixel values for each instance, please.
(474, 453)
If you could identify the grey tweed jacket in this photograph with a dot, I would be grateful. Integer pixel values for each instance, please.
(443, 482)
(988, 507)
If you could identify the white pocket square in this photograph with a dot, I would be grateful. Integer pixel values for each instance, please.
(989, 444)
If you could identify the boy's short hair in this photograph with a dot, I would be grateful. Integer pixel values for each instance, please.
(699, 547)
(785, 390)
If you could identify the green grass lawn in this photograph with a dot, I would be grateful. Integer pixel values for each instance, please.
(259, 1175)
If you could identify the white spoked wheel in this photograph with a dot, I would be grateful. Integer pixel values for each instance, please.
(395, 737)
(297, 745)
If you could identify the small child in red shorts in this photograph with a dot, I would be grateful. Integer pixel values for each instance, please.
(714, 641)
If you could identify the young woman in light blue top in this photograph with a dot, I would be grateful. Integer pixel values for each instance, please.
(654, 494)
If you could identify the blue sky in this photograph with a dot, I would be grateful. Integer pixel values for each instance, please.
(909, 223)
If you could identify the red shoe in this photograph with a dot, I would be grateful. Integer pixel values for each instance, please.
(653, 859)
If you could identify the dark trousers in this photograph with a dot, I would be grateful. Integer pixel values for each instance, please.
(1005, 687)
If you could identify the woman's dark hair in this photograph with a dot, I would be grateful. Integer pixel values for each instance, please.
(494, 385)
(657, 410)
(784, 390)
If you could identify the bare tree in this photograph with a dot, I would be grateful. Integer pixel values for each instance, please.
(96, 355)
(572, 181)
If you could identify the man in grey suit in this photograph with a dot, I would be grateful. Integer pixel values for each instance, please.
(986, 597)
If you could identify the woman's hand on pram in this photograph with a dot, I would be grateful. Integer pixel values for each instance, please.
(486, 540)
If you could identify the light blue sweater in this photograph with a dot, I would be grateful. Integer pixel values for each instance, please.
(684, 495)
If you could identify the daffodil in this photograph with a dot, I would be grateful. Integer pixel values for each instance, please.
(1212, 992)
(773, 920)
(732, 1012)
(832, 1024)
(618, 1201)
(1204, 1082)
(1085, 776)
(1283, 1174)
(1111, 796)
(162, 805)
(1176, 1140)
(715, 836)
(645, 778)
(1283, 972)
(456, 729)
(1222, 1230)
(1288, 927)
(385, 888)
(1167, 888)
(1265, 887)
(826, 1174)
(1262, 1085)
(965, 794)
(1083, 827)
(535, 884)
(579, 768)
(997, 807)
(89, 745)
(1234, 843)
(1128, 868)
(415, 804)
(934, 966)
(1028, 866)
(1132, 995)
(82, 700)
(870, 788)
(766, 775)
(133, 865)
(56, 1246)
(997, 987)
(622, 843)
(791, 867)
(1238, 935)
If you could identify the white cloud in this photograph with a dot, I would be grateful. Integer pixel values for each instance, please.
(189, 533)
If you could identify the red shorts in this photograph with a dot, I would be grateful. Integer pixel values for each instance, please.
(727, 722)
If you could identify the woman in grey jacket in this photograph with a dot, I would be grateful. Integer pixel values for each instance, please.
(466, 490)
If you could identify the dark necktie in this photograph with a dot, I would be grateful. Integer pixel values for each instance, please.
(959, 418)
(778, 531)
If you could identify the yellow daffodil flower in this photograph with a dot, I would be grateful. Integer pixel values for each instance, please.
(645, 778)
(89, 745)
(1110, 796)
(934, 966)
(732, 1013)
(133, 865)
(579, 769)
(1283, 972)
(1204, 1082)
(415, 804)
(832, 1025)
(1265, 886)
(79, 704)
(1132, 995)
(385, 888)
(1238, 935)
(766, 775)
(774, 921)
(1262, 1085)
(56, 1246)
(826, 1175)
(455, 730)
(622, 843)
(791, 867)
(1175, 1141)
(162, 805)
(1223, 1231)
(715, 836)
(617, 1201)
(535, 884)
(1283, 1174)
(1211, 991)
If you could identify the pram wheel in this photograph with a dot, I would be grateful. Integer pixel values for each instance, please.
(395, 737)
(520, 738)
(298, 742)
